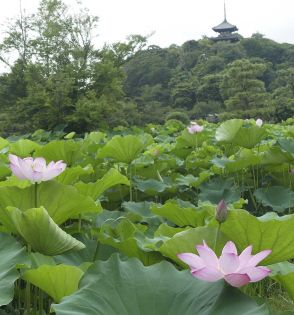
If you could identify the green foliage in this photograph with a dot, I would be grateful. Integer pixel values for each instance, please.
(182, 215)
(95, 190)
(183, 117)
(125, 149)
(41, 232)
(159, 189)
(171, 292)
(267, 232)
(12, 254)
(60, 77)
(276, 197)
(57, 281)
(61, 201)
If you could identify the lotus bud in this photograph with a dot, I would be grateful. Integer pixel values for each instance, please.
(221, 212)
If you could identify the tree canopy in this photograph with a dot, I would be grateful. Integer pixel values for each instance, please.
(58, 77)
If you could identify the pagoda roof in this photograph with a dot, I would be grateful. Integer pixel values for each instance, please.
(225, 26)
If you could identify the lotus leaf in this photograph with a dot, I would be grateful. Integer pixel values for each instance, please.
(41, 233)
(128, 288)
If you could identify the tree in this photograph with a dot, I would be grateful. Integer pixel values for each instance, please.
(57, 69)
(241, 87)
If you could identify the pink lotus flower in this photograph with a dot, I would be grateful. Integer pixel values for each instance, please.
(258, 122)
(36, 169)
(236, 270)
(194, 128)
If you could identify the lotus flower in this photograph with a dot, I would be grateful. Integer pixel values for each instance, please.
(36, 169)
(258, 122)
(236, 270)
(194, 128)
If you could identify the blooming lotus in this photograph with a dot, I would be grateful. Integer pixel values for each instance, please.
(194, 128)
(36, 169)
(234, 269)
(258, 122)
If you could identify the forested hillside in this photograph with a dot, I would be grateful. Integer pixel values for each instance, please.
(250, 78)
(57, 77)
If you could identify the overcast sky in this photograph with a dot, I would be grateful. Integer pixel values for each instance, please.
(176, 21)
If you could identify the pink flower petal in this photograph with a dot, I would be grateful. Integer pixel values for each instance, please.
(53, 170)
(237, 279)
(230, 248)
(209, 274)
(17, 171)
(13, 159)
(39, 164)
(25, 166)
(245, 256)
(259, 257)
(229, 263)
(208, 256)
(194, 261)
(37, 176)
(35, 170)
(257, 273)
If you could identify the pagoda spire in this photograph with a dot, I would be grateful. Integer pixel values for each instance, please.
(225, 29)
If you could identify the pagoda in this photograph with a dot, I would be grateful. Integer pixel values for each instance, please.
(225, 30)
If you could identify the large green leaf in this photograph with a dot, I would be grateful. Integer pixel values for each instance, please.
(218, 189)
(185, 241)
(72, 174)
(61, 201)
(276, 156)
(243, 159)
(287, 145)
(41, 233)
(249, 137)
(3, 143)
(128, 238)
(192, 181)
(141, 211)
(92, 252)
(267, 232)
(57, 281)
(227, 131)
(284, 273)
(128, 288)
(12, 254)
(277, 197)
(150, 187)
(125, 149)
(94, 190)
(16, 182)
(69, 151)
(23, 147)
(181, 215)
(190, 141)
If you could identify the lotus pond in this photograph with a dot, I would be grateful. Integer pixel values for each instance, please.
(158, 220)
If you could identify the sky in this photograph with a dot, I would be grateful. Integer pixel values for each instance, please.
(176, 21)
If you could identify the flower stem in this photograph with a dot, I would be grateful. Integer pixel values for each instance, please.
(28, 288)
(131, 188)
(40, 302)
(36, 195)
(217, 236)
